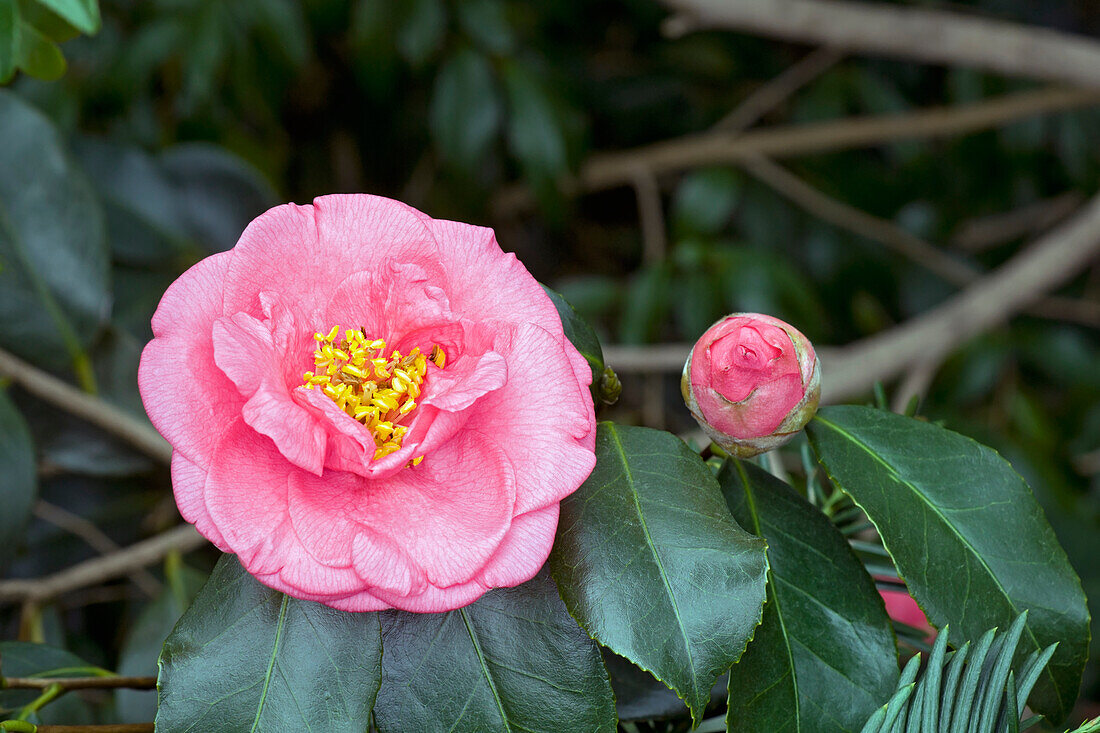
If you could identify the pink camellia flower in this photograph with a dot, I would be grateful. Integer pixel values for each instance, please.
(371, 408)
(900, 606)
(752, 382)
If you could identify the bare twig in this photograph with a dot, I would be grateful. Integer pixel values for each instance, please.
(94, 536)
(850, 370)
(778, 89)
(651, 216)
(97, 570)
(855, 220)
(79, 683)
(110, 728)
(978, 235)
(1044, 265)
(918, 34)
(886, 232)
(96, 411)
(608, 170)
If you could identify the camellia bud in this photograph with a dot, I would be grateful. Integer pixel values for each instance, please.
(752, 382)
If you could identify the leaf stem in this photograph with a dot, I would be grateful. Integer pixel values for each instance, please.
(50, 693)
(78, 683)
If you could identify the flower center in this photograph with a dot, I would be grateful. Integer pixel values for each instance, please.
(378, 391)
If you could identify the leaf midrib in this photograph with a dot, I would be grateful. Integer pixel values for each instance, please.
(271, 662)
(981, 560)
(750, 500)
(485, 668)
(656, 558)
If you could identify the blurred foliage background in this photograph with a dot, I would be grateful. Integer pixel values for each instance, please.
(180, 120)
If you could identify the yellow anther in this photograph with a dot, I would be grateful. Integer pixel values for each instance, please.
(376, 390)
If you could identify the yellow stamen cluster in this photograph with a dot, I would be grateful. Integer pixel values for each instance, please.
(377, 390)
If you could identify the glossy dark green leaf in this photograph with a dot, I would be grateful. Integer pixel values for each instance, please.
(486, 21)
(966, 534)
(38, 55)
(421, 35)
(82, 14)
(144, 639)
(26, 659)
(824, 657)
(704, 201)
(580, 334)
(512, 661)
(536, 134)
(652, 565)
(19, 484)
(9, 29)
(218, 193)
(54, 279)
(466, 110)
(248, 658)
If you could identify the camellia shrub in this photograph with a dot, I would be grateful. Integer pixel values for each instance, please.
(389, 428)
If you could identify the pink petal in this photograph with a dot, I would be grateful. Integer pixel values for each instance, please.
(487, 284)
(524, 549)
(304, 253)
(188, 399)
(542, 418)
(432, 600)
(245, 350)
(188, 484)
(449, 513)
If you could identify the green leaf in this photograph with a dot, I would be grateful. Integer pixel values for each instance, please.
(512, 661)
(19, 486)
(794, 676)
(248, 658)
(965, 532)
(54, 275)
(421, 34)
(486, 21)
(466, 110)
(651, 564)
(9, 38)
(580, 334)
(646, 304)
(704, 201)
(38, 55)
(82, 14)
(26, 659)
(536, 134)
(144, 640)
(218, 193)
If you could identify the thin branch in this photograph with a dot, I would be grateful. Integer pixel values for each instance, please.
(918, 34)
(886, 232)
(111, 728)
(79, 683)
(778, 89)
(981, 234)
(96, 411)
(608, 170)
(849, 371)
(651, 216)
(1046, 264)
(93, 536)
(97, 570)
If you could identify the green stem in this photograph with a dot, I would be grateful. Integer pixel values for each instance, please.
(49, 694)
(18, 726)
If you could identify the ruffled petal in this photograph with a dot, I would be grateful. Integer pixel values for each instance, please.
(541, 418)
(189, 484)
(524, 549)
(245, 350)
(188, 399)
(485, 283)
(300, 252)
